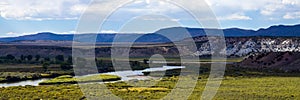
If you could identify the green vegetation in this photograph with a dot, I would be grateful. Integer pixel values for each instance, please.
(66, 92)
(37, 60)
(239, 83)
(2, 79)
(29, 67)
(231, 88)
(20, 76)
(61, 65)
(46, 65)
(67, 79)
(13, 76)
(271, 88)
(260, 88)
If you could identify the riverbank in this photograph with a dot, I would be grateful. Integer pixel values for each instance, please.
(11, 77)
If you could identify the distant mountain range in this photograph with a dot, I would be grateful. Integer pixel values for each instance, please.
(273, 31)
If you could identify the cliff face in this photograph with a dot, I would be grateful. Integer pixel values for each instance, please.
(243, 46)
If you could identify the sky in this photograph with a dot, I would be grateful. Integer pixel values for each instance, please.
(23, 17)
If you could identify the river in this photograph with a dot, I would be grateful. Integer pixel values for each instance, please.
(125, 76)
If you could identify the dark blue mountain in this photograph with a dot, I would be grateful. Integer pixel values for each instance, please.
(161, 35)
(280, 30)
(40, 36)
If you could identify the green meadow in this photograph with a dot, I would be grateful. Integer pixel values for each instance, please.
(238, 84)
(265, 87)
(68, 79)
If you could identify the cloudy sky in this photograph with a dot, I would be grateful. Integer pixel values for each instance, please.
(22, 17)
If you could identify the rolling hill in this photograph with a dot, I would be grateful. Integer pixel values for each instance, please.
(159, 36)
(283, 61)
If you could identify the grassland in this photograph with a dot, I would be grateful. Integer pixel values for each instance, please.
(67, 79)
(238, 84)
(272, 88)
(178, 59)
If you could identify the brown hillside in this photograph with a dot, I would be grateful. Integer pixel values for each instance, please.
(284, 61)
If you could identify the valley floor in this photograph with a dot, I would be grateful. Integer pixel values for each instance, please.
(266, 87)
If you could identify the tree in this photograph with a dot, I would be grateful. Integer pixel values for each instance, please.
(146, 61)
(22, 57)
(59, 59)
(69, 60)
(99, 63)
(65, 66)
(10, 57)
(45, 66)
(29, 57)
(47, 59)
(135, 63)
(286, 59)
(37, 57)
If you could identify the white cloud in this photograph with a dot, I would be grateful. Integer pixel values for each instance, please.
(70, 32)
(157, 18)
(108, 31)
(236, 16)
(268, 8)
(294, 15)
(237, 5)
(72, 9)
(78, 9)
(38, 9)
(2, 3)
(11, 34)
(290, 2)
(15, 34)
(271, 9)
(152, 7)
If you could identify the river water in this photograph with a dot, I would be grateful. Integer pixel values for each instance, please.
(125, 75)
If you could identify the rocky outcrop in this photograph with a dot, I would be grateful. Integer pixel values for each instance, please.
(243, 46)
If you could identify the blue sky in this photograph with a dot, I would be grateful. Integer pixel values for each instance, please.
(22, 17)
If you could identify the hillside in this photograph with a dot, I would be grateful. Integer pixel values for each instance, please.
(243, 46)
(283, 61)
(274, 31)
(239, 43)
(236, 47)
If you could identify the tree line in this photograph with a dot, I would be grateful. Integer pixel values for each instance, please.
(64, 62)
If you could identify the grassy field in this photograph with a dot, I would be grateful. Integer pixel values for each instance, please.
(271, 88)
(238, 84)
(67, 79)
